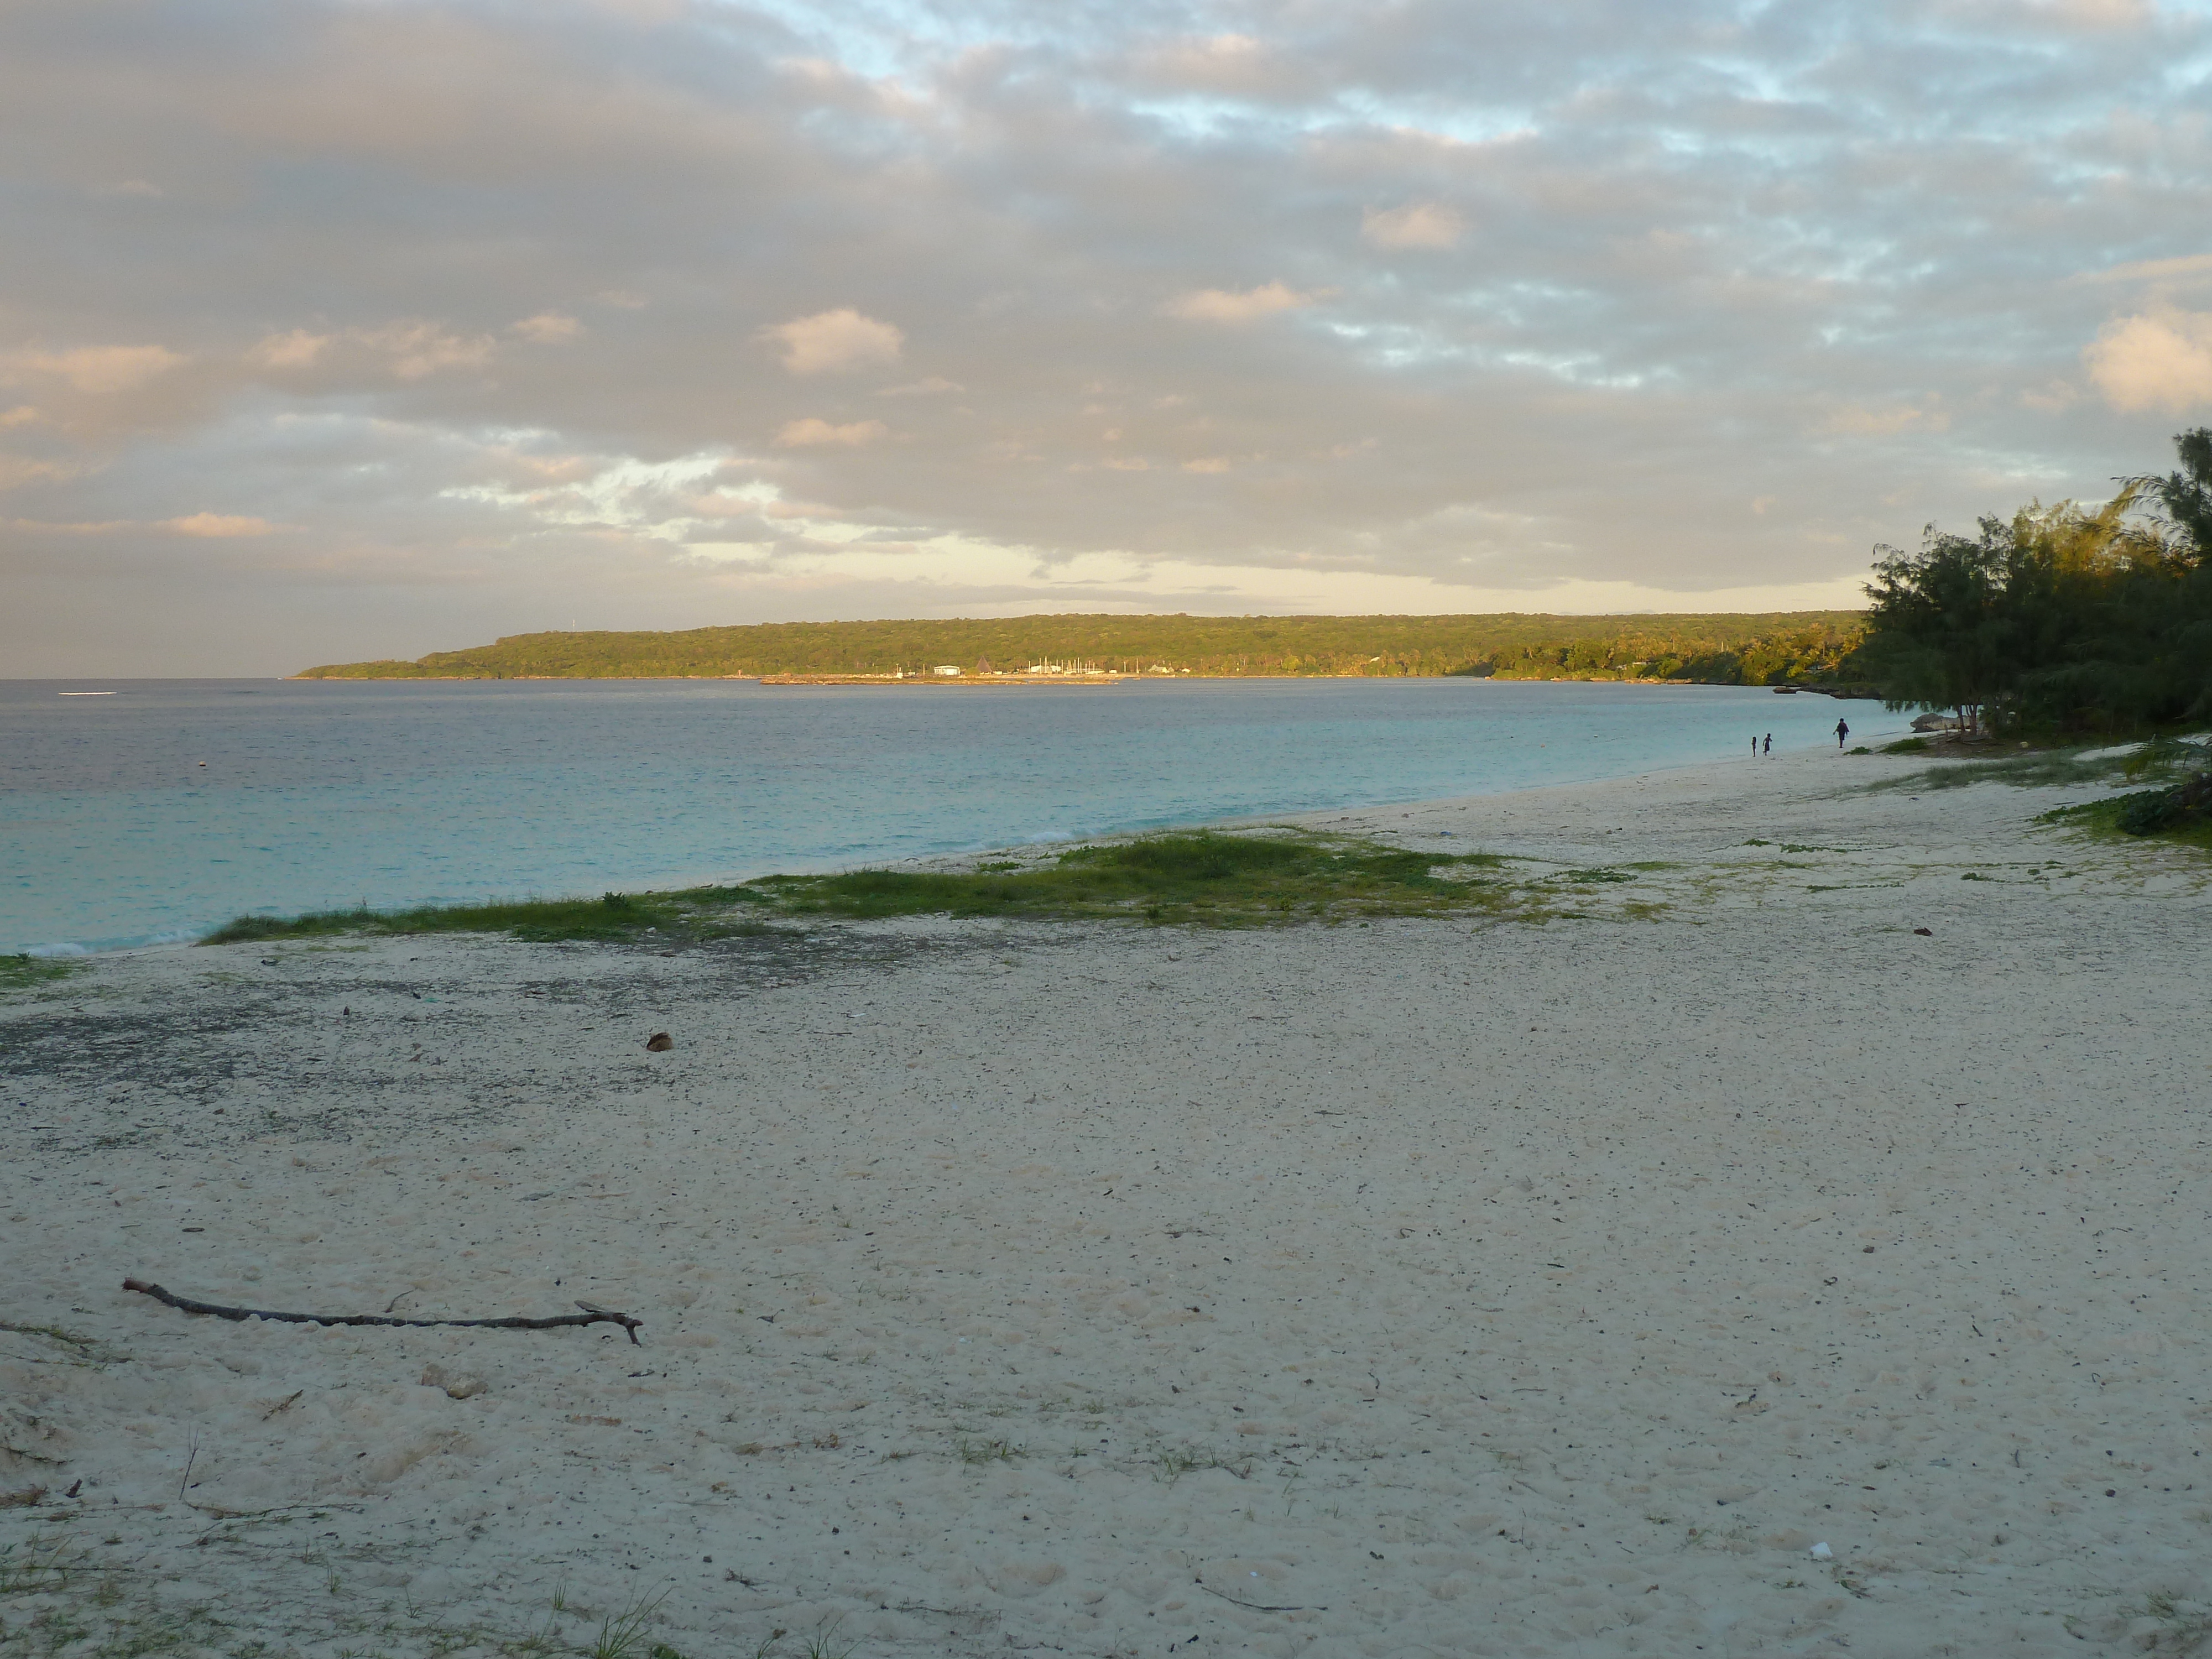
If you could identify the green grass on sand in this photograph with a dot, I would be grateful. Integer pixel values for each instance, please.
(22, 973)
(2172, 811)
(1201, 876)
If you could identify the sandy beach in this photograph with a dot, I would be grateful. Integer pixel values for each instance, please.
(1421, 1288)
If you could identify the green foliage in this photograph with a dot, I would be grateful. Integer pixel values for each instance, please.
(2035, 769)
(2061, 618)
(1201, 876)
(1787, 647)
(2159, 814)
(611, 917)
(22, 973)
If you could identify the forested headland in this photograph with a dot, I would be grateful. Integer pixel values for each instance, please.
(1801, 648)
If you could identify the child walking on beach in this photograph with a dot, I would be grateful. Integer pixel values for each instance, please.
(1843, 731)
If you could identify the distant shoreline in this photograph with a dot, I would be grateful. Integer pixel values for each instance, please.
(1779, 647)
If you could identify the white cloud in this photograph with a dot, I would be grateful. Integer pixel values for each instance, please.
(815, 430)
(2184, 268)
(219, 525)
(835, 342)
(548, 328)
(2160, 361)
(417, 348)
(1417, 224)
(99, 370)
(1232, 63)
(22, 415)
(1886, 420)
(1218, 305)
(295, 350)
(2097, 13)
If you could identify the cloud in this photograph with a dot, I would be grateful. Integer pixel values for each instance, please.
(1404, 271)
(102, 371)
(410, 351)
(1418, 224)
(1888, 420)
(2185, 267)
(1216, 305)
(2161, 362)
(2097, 13)
(814, 430)
(296, 349)
(836, 342)
(22, 415)
(1238, 65)
(215, 527)
(417, 348)
(547, 328)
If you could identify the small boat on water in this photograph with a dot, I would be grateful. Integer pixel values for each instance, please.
(84, 694)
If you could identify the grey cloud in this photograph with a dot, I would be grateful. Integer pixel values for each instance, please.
(417, 283)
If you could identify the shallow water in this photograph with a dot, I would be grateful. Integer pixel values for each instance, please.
(316, 793)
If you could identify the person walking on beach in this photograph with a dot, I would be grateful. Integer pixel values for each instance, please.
(1769, 745)
(1843, 731)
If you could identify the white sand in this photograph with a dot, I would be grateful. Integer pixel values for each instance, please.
(1430, 1287)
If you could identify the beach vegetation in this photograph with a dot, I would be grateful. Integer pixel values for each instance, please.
(24, 973)
(2176, 764)
(611, 916)
(1205, 877)
(2142, 814)
(623, 1633)
(2057, 620)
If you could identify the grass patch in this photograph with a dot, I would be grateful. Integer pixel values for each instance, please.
(1197, 876)
(615, 916)
(2114, 815)
(2161, 758)
(1202, 876)
(1903, 746)
(23, 973)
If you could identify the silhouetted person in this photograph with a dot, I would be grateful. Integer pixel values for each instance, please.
(1769, 745)
(1843, 731)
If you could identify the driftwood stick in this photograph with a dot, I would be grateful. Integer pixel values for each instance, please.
(592, 1315)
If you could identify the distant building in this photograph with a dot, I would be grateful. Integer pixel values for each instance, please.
(950, 669)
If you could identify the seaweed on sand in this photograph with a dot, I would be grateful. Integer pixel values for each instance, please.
(1204, 877)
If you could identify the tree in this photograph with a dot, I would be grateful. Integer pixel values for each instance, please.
(1936, 629)
(2064, 618)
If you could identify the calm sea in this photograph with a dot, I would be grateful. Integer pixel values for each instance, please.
(316, 794)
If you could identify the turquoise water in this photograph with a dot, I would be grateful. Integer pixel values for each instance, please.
(316, 794)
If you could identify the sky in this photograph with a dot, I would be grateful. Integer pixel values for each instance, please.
(344, 329)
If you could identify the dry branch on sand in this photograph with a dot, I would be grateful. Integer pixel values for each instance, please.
(591, 1315)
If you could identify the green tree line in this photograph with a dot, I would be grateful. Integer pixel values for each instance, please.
(1786, 647)
(2064, 619)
